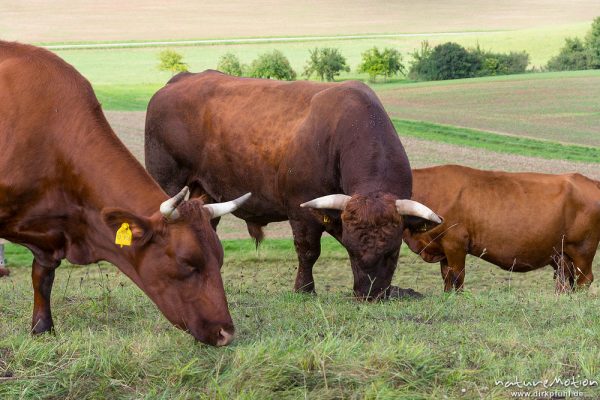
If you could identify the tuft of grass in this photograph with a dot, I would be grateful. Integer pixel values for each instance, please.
(496, 142)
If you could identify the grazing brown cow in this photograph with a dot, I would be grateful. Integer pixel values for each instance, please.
(324, 156)
(67, 184)
(518, 221)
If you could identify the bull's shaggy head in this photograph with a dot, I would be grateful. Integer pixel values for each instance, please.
(372, 228)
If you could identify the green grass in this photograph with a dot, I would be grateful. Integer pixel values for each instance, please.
(496, 142)
(125, 97)
(111, 342)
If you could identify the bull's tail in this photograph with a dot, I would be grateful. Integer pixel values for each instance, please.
(256, 232)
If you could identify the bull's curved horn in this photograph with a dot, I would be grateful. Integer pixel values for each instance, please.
(169, 208)
(219, 209)
(332, 201)
(411, 207)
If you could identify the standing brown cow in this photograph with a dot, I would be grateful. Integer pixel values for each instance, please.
(324, 156)
(517, 221)
(67, 184)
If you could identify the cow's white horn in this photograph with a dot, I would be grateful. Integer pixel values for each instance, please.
(411, 207)
(332, 201)
(219, 209)
(169, 208)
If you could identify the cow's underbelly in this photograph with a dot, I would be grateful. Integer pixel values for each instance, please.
(517, 262)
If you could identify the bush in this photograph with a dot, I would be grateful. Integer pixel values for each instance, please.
(230, 64)
(420, 63)
(385, 63)
(572, 56)
(592, 44)
(577, 54)
(447, 61)
(452, 61)
(272, 65)
(171, 61)
(326, 63)
(501, 63)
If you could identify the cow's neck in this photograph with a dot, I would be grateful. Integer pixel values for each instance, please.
(97, 172)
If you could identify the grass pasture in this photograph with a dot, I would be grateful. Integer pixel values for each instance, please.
(111, 342)
(561, 107)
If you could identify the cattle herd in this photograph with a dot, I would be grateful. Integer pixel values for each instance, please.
(326, 157)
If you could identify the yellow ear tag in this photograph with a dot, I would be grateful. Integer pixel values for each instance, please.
(326, 219)
(124, 235)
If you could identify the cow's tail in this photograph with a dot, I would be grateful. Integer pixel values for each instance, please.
(256, 232)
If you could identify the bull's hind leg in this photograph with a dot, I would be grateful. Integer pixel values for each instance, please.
(43, 278)
(307, 240)
(3, 270)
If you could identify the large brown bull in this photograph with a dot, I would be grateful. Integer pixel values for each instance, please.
(517, 221)
(67, 184)
(325, 157)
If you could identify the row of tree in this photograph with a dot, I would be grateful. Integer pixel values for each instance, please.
(325, 63)
(579, 54)
(445, 61)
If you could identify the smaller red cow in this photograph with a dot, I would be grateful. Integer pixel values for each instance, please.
(517, 221)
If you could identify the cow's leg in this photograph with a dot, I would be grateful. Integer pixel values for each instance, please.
(307, 240)
(447, 275)
(3, 270)
(564, 278)
(582, 268)
(43, 278)
(453, 270)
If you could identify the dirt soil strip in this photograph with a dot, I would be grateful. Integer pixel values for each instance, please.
(110, 45)
(137, 20)
(129, 126)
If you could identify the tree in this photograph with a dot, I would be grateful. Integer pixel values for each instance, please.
(230, 64)
(326, 63)
(592, 44)
(447, 61)
(420, 64)
(386, 63)
(171, 61)
(272, 65)
(573, 56)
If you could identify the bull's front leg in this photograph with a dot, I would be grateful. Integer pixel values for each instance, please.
(307, 240)
(42, 278)
(3, 270)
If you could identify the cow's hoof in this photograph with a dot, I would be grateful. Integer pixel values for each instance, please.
(42, 327)
(308, 288)
(4, 272)
(398, 293)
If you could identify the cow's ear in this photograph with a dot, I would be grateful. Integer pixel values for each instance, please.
(141, 227)
(418, 224)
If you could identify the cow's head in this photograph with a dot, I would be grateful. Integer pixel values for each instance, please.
(177, 257)
(372, 233)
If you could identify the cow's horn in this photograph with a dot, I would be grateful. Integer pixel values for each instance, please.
(333, 201)
(169, 208)
(410, 207)
(219, 209)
